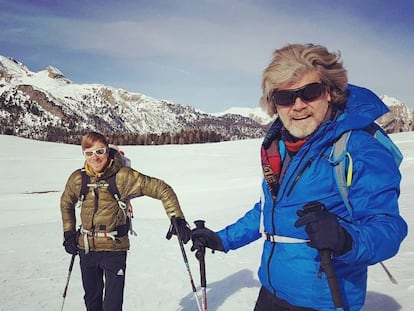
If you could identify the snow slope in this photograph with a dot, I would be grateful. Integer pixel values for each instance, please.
(215, 182)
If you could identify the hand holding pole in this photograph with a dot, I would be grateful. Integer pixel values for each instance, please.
(326, 260)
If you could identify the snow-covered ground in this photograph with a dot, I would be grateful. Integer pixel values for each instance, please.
(214, 182)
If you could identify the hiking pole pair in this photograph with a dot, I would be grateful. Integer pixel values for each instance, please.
(200, 255)
(72, 260)
(180, 242)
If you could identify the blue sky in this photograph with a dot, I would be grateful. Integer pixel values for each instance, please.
(209, 54)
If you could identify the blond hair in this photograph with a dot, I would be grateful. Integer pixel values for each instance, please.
(292, 61)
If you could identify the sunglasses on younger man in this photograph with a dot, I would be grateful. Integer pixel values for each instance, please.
(99, 152)
(307, 93)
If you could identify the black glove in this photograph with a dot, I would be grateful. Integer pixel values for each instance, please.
(71, 242)
(204, 237)
(184, 230)
(324, 231)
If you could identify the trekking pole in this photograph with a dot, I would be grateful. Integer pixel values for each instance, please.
(326, 262)
(392, 279)
(200, 255)
(72, 260)
(180, 242)
(327, 267)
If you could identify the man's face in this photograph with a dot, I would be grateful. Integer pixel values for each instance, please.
(97, 157)
(302, 118)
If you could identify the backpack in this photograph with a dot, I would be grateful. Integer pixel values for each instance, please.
(124, 205)
(342, 159)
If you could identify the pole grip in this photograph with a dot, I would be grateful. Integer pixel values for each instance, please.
(199, 224)
(200, 254)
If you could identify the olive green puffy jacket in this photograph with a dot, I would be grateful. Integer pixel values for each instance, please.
(100, 212)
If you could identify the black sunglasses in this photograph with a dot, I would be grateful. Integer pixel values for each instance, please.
(307, 93)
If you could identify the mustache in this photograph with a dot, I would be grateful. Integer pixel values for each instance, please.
(301, 114)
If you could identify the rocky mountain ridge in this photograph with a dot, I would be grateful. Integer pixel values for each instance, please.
(46, 105)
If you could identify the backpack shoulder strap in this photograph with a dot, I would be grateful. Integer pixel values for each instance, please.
(113, 189)
(124, 205)
(378, 132)
(342, 162)
(84, 187)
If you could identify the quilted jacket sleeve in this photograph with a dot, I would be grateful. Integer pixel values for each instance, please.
(135, 184)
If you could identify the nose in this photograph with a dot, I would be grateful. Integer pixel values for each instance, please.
(298, 104)
(95, 156)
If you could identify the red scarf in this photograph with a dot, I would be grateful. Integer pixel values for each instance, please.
(294, 147)
(272, 162)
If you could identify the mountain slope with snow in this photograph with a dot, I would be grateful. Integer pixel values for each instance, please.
(257, 114)
(35, 104)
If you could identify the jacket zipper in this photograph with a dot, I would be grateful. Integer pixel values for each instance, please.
(96, 198)
(273, 247)
(299, 175)
(269, 280)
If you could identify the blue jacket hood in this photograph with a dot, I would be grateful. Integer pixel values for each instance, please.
(362, 108)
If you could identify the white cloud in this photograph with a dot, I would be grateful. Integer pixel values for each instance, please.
(211, 40)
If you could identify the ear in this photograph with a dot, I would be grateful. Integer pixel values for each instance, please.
(328, 96)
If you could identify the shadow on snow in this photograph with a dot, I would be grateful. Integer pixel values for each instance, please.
(219, 291)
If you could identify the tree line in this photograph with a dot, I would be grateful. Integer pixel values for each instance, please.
(61, 135)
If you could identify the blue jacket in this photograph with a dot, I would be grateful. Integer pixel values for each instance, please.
(290, 270)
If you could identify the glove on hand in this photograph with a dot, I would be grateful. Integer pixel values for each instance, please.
(71, 242)
(204, 237)
(184, 230)
(325, 232)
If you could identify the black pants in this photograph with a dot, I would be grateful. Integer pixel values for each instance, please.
(269, 302)
(103, 270)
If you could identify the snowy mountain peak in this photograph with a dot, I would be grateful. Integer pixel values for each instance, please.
(256, 114)
(390, 101)
(54, 73)
(50, 78)
(11, 69)
(14, 73)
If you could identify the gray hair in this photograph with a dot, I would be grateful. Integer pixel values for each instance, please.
(292, 61)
